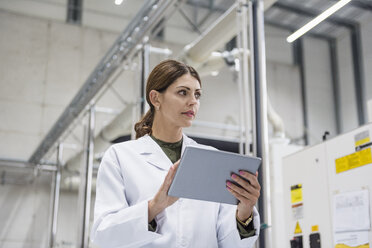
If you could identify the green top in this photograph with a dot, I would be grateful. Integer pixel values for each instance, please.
(173, 152)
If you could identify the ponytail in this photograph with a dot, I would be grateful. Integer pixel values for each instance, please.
(144, 126)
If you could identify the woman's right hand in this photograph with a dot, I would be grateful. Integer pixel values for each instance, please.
(162, 200)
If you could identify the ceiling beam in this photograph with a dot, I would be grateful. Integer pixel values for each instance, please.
(292, 29)
(364, 5)
(309, 12)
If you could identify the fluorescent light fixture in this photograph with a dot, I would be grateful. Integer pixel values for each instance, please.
(118, 2)
(317, 20)
(214, 73)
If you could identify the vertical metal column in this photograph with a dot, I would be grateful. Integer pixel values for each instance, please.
(299, 60)
(87, 182)
(335, 82)
(145, 64)
(238, 78)
(243, 75)
(261, 143)
(55, 198)
(356, 48)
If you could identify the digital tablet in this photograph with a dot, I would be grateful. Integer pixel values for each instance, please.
(202, 174)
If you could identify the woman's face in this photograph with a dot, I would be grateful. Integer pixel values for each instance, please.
(179, 103)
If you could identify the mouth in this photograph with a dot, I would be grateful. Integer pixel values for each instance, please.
(189, 113)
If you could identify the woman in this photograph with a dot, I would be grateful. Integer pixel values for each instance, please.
(132, 208)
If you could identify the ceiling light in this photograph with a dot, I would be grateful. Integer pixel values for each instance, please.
(118, 2)
(317, 20)
(214, 73)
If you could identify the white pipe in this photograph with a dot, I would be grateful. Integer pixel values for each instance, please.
(219, 33)
(162, 51)
(72, 183)
(216, 36)
(275, 120)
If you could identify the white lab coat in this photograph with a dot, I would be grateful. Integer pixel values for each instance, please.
(129, 176)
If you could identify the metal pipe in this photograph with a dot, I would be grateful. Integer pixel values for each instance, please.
(241, 110)
(24, 164)
(55, 198)
(145, 65)
(335, 83)
(105, 110)
(359, 78)
(258, 59)
(252, 85)
(158, 50)
(217, 35)
(242, 22)
(87, 173)
(299, 60)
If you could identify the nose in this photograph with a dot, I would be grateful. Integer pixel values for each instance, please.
(193, 100)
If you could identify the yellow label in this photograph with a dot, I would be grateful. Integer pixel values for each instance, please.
(354, 160)
(296, 193)
(315, 228)
(298, 228)
(346, 246)
(362, 141)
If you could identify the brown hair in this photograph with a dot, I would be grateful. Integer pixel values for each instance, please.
(163, 75)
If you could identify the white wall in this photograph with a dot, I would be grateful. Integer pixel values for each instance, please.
(283, 81)
(24, 210)
(43, 64)
(319, 89)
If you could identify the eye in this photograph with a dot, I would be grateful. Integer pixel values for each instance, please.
(197, 95)
(182, 92)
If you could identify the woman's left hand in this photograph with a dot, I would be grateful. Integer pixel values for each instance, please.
(247, 192)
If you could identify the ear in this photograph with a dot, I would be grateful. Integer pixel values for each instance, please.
(155, 98)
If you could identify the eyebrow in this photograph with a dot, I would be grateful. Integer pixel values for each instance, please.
(188, 88)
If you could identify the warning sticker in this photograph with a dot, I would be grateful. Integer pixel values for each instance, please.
(362, 138)
(314, 228)
(298, 228)
(298, 211)
(346, 246)
(296, 193)
(353, 160)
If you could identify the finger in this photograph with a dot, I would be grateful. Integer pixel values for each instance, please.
(169, 177)
(251, 178)
(242, 182)
(249, 192)
(241, 198)
(238, 190)
(246, 185)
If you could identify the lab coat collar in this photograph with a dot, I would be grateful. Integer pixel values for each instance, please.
(155, 156)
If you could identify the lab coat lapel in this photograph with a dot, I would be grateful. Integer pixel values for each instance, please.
(153, 154)
(186, 142)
